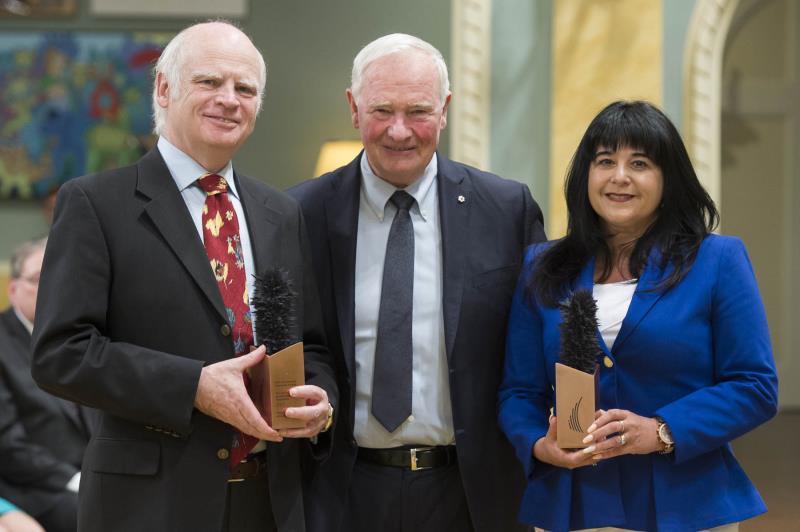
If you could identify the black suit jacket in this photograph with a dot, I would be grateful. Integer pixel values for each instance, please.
(42, 437)
(128, 314)
(483, 240)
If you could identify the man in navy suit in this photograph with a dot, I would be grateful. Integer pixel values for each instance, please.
(442, 464)
(42, 437)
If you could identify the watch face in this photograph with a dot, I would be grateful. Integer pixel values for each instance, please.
(664, 434)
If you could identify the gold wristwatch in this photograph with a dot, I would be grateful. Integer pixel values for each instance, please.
(665, 437)
(329, 421)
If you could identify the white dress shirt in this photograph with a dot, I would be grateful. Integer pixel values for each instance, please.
(431, 421)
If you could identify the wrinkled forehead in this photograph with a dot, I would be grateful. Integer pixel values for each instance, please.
(409, 74)
(235, 57)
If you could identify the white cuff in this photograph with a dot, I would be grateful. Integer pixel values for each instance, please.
(74, 482)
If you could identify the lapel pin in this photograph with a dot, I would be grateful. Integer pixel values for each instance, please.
(461, 199)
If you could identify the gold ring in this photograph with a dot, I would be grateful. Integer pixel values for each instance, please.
(621, 440)
(621, 426)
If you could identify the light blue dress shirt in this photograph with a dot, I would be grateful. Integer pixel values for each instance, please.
(431, 421)
(186, 171)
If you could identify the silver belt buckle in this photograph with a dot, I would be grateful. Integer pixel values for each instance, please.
(413, 451)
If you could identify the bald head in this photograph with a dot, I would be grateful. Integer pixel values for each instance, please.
(208, 88)
(173, 60)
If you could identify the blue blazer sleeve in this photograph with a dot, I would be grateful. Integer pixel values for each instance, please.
(746, 388)
(525, 395)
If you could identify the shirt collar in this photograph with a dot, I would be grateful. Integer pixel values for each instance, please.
(377, 192)
(28, 325)
(186, 171)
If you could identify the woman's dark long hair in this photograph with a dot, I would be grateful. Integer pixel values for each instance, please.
(685, 216)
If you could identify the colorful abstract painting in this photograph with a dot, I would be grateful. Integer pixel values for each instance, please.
(72, 104)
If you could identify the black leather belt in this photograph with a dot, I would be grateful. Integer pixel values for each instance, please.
(254, 466)
(414, 458)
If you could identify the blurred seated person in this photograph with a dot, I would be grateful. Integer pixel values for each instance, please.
(42, 438)
(683, 349)
(12, 519)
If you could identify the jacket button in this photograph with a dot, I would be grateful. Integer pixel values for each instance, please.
(225, 330)
(607, 362)
(223, 454)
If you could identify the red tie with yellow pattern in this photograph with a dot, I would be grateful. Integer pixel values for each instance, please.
(224, 250)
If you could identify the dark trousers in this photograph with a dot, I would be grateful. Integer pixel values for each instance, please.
(248, 507)
(62, 516)
(392, 499)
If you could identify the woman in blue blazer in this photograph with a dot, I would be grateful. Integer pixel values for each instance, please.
(686, 364)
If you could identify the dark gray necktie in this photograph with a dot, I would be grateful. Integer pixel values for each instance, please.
(391, 381)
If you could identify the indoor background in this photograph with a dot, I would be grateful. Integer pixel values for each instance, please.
(527, 76)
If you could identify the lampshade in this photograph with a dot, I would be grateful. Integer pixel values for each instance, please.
(336, 153)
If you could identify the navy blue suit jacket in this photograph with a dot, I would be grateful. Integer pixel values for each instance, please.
(697, 355)
(483, 241)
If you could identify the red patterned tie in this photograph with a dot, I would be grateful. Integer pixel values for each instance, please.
(224, 250)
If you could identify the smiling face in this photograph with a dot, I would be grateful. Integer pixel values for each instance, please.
(400, 115)
(215, 109)
(625, 189)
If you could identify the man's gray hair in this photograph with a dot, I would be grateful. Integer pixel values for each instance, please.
(171, 64)
(391, 44)
(21, 254)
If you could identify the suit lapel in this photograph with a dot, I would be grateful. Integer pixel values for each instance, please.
(454, 207)
(263, 226)
(585, 281)
(170, 216)
(341, 213)
(645, 296)
(643, 299)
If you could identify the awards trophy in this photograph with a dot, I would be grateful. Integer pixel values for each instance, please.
(283, 367)
(577, 373)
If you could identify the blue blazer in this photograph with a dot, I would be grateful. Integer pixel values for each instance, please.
(697, 355)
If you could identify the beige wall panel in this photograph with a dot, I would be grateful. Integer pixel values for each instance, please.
(603, 50)
(759, 165)
(753, 173)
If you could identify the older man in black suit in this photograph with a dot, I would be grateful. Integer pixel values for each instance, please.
(416, 257)
(42, 437)
(145, 314)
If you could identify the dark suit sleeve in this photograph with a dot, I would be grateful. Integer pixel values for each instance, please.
(319, 365)
(73, 354)
(23, 462)
(534, 221)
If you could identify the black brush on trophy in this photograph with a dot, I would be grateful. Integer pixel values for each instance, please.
(577, 371)
(273, 305)
(283, 367)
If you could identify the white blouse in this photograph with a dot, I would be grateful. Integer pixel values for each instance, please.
(613, 300)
